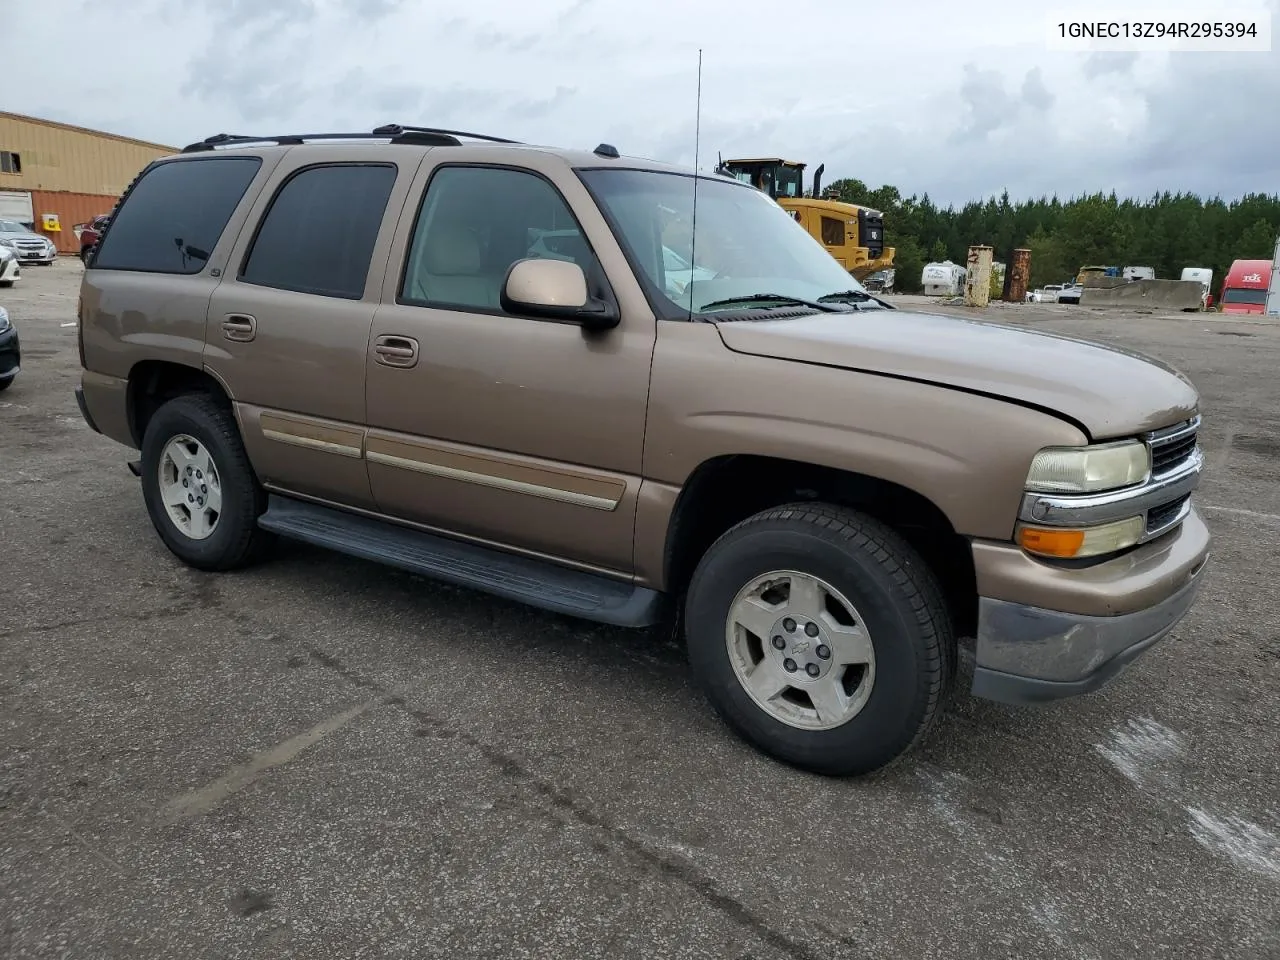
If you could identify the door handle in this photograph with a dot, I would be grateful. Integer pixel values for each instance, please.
(394, 351)
(239, 327)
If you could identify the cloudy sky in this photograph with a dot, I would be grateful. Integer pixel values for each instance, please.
(917, 93)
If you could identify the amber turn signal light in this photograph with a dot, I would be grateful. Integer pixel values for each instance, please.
(1068, 543)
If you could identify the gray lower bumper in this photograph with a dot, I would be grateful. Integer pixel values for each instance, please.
(1031, 655)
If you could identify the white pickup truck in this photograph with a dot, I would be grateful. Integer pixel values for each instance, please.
(1046, 294)
(1070, 293)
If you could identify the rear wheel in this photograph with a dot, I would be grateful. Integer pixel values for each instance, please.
(821, 637)
(6, 384)
(200, 490)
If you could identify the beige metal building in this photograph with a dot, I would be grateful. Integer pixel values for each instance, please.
(55, 177)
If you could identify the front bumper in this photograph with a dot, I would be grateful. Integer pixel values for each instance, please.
(9, 270)
(29, 257)
(1028, 653)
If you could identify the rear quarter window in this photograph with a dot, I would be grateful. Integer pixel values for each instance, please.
(173, 217)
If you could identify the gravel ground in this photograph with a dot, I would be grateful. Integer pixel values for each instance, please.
(324, 758)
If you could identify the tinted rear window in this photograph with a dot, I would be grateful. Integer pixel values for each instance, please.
(172, 219)
(318, 234)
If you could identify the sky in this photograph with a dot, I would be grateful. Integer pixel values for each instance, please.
(933, 96)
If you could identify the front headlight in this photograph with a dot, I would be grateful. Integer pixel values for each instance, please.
(4, 320)
(6, 242)
(1107, 466)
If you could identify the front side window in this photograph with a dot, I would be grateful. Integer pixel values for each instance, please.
(172, 218)
(474, 223)
(744, 243)
(318, 234)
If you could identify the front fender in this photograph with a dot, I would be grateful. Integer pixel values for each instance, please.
(966, 453)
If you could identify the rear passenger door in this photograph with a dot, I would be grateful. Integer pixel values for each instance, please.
(289, 325)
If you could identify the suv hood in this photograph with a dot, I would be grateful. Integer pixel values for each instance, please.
(1109, 391)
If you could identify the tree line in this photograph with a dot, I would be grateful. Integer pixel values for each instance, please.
(1168, 231)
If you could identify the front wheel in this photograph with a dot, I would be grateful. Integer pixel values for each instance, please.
(821, 637)
(200, 490)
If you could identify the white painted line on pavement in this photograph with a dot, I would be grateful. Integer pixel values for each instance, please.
(1240, 511)
(1247, 845)
(205, 798)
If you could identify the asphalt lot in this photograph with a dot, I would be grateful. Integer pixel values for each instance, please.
(324, 758)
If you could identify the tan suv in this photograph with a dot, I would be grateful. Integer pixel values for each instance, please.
(465, 358)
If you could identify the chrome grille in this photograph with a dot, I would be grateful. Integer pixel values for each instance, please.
(1163, 500)
(1166, 515)
(1173, 446)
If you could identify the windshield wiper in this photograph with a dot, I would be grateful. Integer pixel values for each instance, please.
(779, 298)
(854, 297)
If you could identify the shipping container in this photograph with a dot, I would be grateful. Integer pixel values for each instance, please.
(71, 209)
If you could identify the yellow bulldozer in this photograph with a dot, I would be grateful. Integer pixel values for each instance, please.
(852, 234)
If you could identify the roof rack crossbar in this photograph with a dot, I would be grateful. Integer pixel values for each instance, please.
(428, 136)
(396, 128)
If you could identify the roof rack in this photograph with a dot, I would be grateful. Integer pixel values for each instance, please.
(394, 132)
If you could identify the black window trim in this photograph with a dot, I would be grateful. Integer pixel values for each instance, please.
(257, 227)
(142, 174)
(601, 275)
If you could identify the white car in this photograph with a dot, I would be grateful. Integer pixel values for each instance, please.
(30, 246)
(1046, 294)
(9, 268)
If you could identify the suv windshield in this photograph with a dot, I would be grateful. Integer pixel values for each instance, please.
(745, 244)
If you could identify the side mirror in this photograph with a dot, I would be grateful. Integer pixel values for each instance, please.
(555, 290)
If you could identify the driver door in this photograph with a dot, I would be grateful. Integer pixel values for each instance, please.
(496, 426)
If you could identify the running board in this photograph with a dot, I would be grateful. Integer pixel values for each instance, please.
(537, 583)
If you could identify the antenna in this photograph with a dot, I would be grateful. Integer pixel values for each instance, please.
(697, 143)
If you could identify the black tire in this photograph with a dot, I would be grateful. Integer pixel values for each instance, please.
(902, 609)
(5, 284)
(237, 540)
(6, 384)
